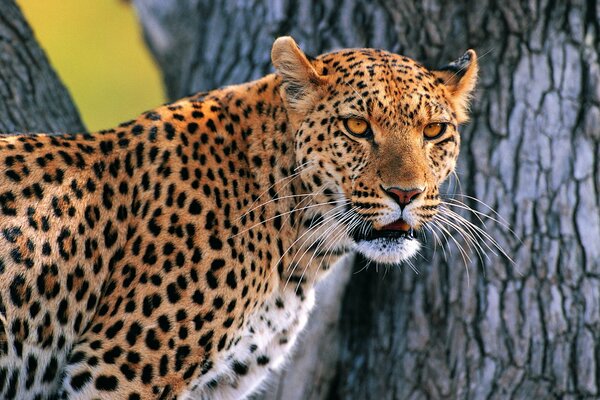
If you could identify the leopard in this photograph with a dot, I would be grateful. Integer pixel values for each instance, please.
(176, 255)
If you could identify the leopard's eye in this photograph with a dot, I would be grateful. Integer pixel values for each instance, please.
(435, 130)
(357, 126)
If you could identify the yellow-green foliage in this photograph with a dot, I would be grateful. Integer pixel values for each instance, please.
(98, 51)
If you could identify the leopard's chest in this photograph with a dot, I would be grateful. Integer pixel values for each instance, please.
(260, 347)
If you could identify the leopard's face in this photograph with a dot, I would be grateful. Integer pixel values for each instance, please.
(377, 135)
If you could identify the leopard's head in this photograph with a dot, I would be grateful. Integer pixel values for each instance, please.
(376, 134)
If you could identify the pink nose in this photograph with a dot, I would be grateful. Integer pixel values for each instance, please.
(403, 197)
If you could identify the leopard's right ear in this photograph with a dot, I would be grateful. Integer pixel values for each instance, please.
(300, 79)
(460, 77)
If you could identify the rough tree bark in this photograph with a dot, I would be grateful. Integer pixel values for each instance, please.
(488, 329)
(32, 98)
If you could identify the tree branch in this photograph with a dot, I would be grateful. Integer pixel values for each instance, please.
(32, 98)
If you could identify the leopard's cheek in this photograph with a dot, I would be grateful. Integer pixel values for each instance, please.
(442, 160)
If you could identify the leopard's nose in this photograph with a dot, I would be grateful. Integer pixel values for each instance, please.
(403, 196)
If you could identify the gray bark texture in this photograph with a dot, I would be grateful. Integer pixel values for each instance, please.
(32, 98)
(475, 328)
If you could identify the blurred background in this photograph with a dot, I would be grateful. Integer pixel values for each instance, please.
(98, 50)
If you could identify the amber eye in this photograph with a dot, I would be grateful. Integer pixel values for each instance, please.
(435, 130)
(357, 126)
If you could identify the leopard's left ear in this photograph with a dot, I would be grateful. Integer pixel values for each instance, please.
(300, 79)
(460, 77)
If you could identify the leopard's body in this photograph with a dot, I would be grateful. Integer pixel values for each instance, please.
(175, 256)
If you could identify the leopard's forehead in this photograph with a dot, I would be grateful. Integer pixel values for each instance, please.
(388, 87)
(373, 66)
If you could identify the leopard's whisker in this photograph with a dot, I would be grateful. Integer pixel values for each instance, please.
(292, 261)
(329, 232)
(480, 233)
(470, 240)
(289, 179)
(357, 222)
(463, 225)
(436, 240)
(480, 215)
(284, 213)
(353, 222)
(432, 228)
(412, 266)
(363, 268)
(466, 232)
(300, 166)
(339, 231)
(291, 196)
(481, 202)
(346, 229)
(458, 183)
(462, 251)
(325, 220)
(336, 211)
(300, 204)
(339, 221)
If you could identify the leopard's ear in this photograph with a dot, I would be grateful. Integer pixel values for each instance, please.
(300, 79)
(460, 77)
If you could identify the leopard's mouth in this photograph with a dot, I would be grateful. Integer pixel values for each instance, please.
(398, 229)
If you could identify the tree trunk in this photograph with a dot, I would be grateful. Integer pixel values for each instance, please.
(32, 98)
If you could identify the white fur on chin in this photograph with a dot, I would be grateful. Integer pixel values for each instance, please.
(388, 251)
